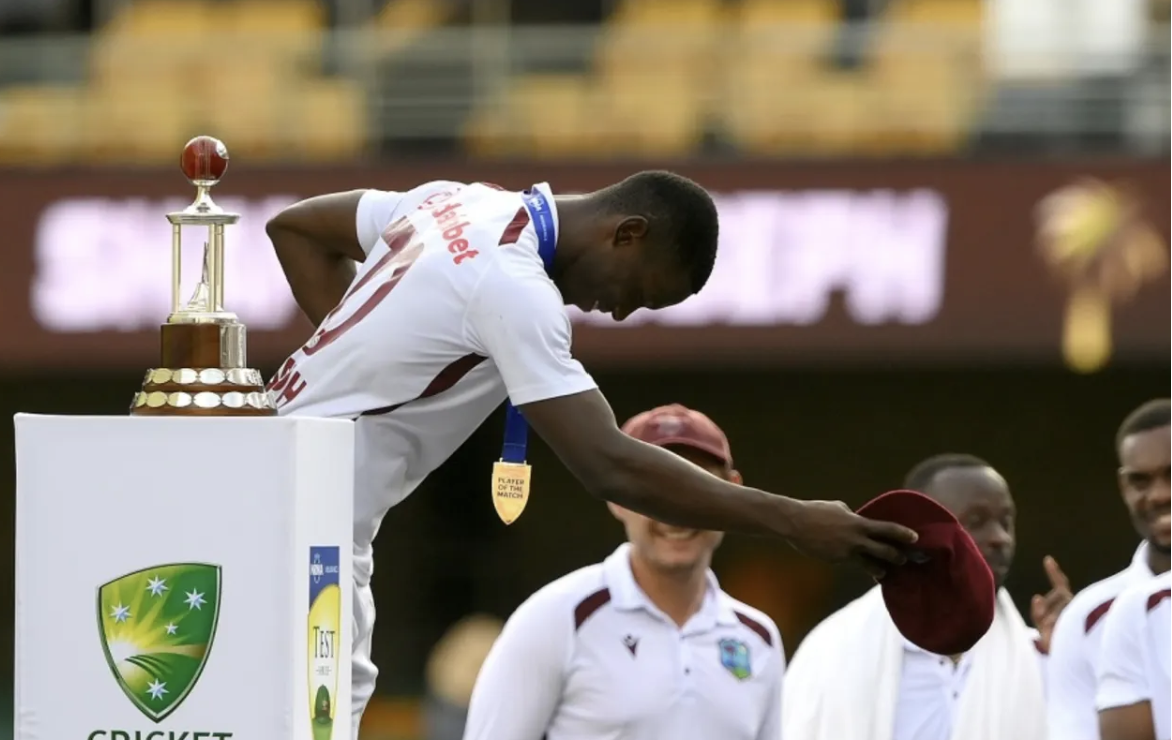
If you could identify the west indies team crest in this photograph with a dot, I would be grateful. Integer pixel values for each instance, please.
(325, 617)
(157, 626)
(734, 656)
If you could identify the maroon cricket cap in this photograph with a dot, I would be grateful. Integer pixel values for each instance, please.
(679, 425)
(942, 599)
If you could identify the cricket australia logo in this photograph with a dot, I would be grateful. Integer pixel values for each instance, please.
(157, 627)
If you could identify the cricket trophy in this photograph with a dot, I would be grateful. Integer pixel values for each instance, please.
(203, 369)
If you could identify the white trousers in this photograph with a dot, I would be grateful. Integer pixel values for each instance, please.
(362, 670)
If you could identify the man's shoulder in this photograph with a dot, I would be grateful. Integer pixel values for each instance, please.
(1161, 582)
(753, 621)
(482, 231)
(1145, 596)
(1135, 613)
(515, 274)
(846, 622)
(494, 221)
(573, 598)
(437, 186)
(1091, 604)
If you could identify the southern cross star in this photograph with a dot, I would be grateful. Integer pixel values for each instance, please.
(157, 689)
(157, 586)
(195, 600)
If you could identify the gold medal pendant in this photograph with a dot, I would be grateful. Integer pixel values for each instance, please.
(510, 489)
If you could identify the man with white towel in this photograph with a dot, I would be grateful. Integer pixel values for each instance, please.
(937, 651)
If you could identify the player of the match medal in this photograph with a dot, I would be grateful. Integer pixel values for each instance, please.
(510, 475)
(510, 489)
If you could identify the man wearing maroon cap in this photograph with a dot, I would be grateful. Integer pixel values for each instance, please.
(645, 645)
(859, 676)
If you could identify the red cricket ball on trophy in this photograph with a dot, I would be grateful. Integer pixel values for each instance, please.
(204, 160)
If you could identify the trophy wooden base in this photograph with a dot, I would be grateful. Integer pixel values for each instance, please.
(202, 392)
(203, 375)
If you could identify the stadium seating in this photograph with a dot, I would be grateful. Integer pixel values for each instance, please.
(325, 121)
(768, 87)
(402, 21)
(756, 73)
(135, 122)
(543, 115)
(928, 67)
(163, 70)
(38, 124)
(654, 70)
(662, 78)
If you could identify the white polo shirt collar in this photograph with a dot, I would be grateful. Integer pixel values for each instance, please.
(1139, 567)
(626, 595)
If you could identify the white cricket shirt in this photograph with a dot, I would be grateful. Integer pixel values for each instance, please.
(589, 657)
(930, 689)
(1074, 651)
(451, 310)
(1136, 652)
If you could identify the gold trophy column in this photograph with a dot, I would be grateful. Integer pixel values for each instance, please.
(203, 369)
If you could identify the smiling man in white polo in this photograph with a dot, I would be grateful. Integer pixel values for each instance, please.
(644, 645)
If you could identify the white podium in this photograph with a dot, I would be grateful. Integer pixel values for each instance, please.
(183, 578)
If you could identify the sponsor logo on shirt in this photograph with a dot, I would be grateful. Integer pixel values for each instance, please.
(447, 216)
(631, 643)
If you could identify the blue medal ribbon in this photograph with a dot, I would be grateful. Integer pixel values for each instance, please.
(516, 428)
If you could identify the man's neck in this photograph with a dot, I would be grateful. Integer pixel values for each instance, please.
(1158, 560)
(679, 595)
(573, 232)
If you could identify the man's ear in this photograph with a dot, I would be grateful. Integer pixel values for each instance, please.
(616, 511)
(734, 477)
(630, 230)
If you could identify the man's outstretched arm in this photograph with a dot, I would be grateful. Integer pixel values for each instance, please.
(582, 431)
(516, 318)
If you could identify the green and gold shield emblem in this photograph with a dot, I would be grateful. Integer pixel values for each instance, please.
(157, 627)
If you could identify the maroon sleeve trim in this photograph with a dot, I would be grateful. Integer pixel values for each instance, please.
(587, 606)
(515, 227)
(1155, 599)
(1097, 613)
(443, 381)
(756, 626)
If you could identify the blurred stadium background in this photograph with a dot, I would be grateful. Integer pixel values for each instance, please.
(945, 228)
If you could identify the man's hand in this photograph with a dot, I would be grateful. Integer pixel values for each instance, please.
(1044, 610)
(829, 530)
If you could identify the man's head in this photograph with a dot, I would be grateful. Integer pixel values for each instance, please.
(646, 242)
(978, 497)
(1144, 457)
(694, 437)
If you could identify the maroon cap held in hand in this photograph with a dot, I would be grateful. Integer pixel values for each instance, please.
(678, 425)
(943, 598)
